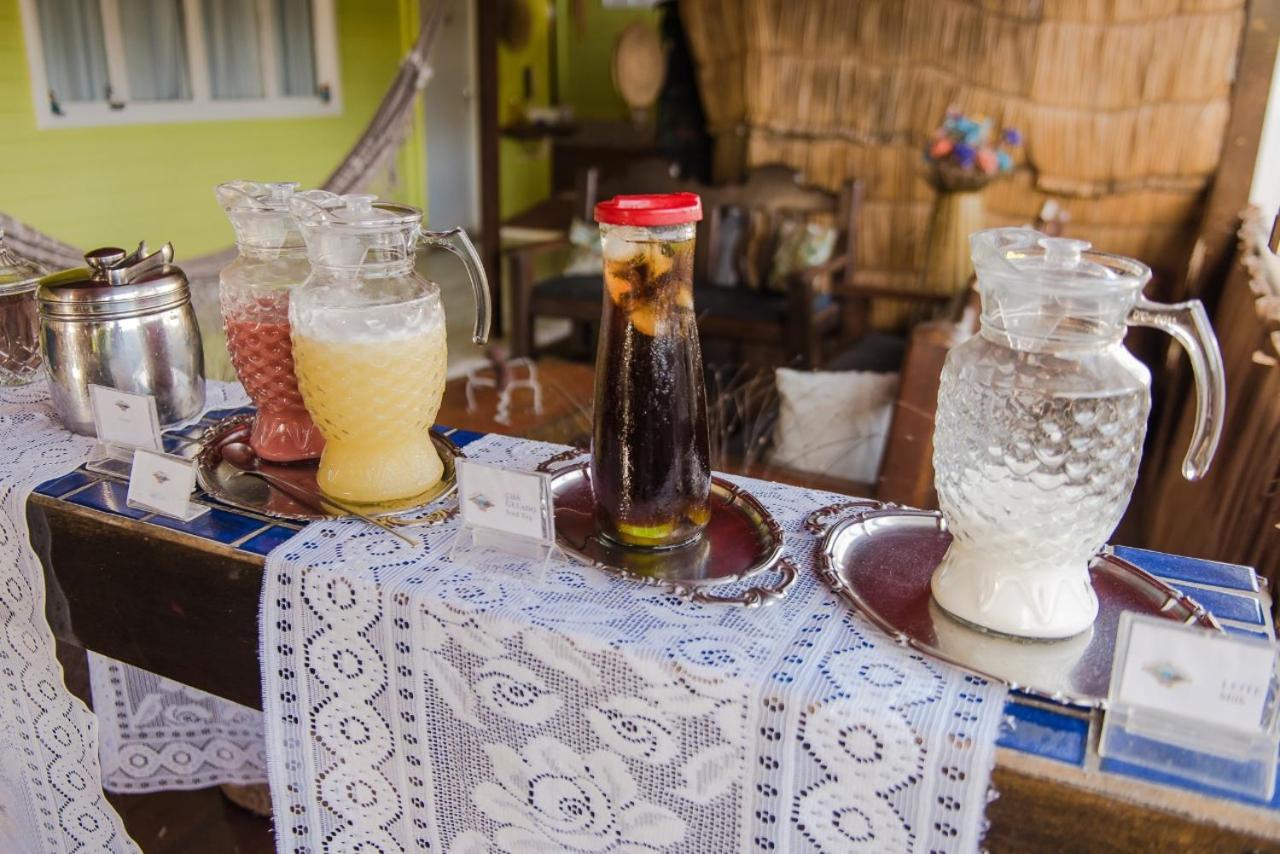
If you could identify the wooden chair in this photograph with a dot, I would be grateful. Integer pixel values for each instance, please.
(737, 241)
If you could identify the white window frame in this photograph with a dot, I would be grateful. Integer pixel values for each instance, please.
(202, 106)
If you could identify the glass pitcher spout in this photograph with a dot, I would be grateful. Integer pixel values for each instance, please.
(1189, 324)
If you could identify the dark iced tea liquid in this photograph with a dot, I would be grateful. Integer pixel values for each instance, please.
(649, 464)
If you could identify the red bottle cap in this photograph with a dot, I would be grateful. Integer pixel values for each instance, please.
(650, 209)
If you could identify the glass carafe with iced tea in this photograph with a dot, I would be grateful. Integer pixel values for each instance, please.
(649, 465)
(253, 292)
(369, 345)
(1040, 423)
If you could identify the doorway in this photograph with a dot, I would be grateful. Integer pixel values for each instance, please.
(452, 134)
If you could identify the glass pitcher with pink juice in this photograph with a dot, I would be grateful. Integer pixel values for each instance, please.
(254, 294)
(369, 345)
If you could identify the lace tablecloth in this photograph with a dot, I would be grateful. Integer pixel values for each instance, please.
(417, 701)
(50, 790)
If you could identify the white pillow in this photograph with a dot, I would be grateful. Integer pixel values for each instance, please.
(833, 423)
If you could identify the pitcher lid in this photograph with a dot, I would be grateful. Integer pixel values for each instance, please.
(1056, 262)
(259, 211)
(357, 231)
(352, 210)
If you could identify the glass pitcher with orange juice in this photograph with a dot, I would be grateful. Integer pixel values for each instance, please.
(369, 345)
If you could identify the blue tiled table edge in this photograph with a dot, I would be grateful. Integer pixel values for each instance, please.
(1236, 597)
(225, 525)
(1233, 593)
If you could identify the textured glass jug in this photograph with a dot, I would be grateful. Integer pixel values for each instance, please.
(1040, 423)
(369, 345)
(253, 291)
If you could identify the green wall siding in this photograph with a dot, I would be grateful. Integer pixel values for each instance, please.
(524, 166)
(118, 185)
(586, 61)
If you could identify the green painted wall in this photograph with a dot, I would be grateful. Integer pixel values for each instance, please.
(586, 58)
(524, 166)
(118, 185)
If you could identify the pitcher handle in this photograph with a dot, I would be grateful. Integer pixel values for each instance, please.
(1189, 324)
(456, 241)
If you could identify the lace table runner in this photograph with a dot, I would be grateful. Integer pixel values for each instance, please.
(50, 789)
(417, 701)
(159, 734)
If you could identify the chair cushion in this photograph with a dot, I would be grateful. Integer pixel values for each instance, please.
(737, 303)
(833, 423)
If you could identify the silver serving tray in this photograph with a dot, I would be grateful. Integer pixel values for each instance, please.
(217, 477)
(741, 540)
(880, 560)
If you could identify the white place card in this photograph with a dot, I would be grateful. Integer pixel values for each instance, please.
(1216, 678)
(510, 502)
(124, 419)
(508, 511)
(1194, 703)
(163, 484)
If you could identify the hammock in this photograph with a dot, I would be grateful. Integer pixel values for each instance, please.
(368, 158)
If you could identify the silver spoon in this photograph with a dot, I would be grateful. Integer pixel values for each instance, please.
(242, 457)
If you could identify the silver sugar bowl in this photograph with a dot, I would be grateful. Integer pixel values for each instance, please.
(124, 321)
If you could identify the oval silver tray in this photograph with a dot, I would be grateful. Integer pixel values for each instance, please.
(217, 477)
(880, 559)
(741, 540)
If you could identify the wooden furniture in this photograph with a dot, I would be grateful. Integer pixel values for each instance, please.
(187, 608)
(610, 147)
(737, 239)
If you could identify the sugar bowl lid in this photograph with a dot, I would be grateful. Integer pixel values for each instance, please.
(17, 274)
(115, 282)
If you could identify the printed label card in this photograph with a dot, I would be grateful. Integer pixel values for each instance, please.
(508, 511)
(163, 484)
(125, 420)
(1194, 703)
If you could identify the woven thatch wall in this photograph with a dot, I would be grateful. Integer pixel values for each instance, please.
(1123, 104)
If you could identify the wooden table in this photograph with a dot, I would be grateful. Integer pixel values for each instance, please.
(187, 608)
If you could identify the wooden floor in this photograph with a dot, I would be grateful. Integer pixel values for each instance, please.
(201, 821)
(196, 822)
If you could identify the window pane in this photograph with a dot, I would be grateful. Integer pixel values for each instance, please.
(75, 56)
(231, 39)
(295, 47)
(155, 49)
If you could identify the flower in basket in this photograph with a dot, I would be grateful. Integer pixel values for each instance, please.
(964, 153)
